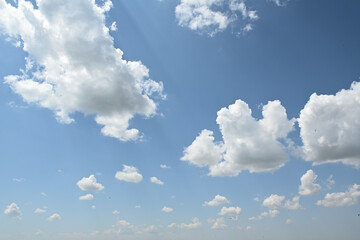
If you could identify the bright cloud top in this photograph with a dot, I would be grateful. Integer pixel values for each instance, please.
(330, 127)
(87, 197)
(167, 209)
(73, 66)
(340, 199)
(308, 187)
(205, 16)
(218, 200)
(230, 211)
(89, 184)
(156, 180)
(248, 143)
(129, 174)
(13, 211)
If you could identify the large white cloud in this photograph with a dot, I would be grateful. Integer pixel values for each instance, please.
(340, 199)
(212, 16)
(248, 143)
(13, 210)
(308, 185)
(129, 174)
(218, 200)
(330, 127)
(73, 66)
(89, 184)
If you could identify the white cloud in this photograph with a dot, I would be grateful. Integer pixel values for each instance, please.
(294, 204)
(218, 200)
(19, 180)
(219, 224)
(43, 194)
(274, 201)
(330, 181)
(156, 180)
(256, 199)
(248, 228)
(93, 207)
(113, 26)
(308, 187)
(137, 206)
(75, 66)
(167, 209)
(248, 143)
(54, 217)
(330, 127)
(13, 211)
(230, 211)
(39, 210)
(195, 223)
(164, 166)
(115, 212)
(288, 221)
(129, 174)
(89, 184)
(172, 225)
(271, 213)
(87, 197)
(340, 199)
(212, 16)
(280, 3)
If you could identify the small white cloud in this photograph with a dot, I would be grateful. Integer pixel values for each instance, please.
(167, 209)
(39, 210)
(129, 174)
(271, 213)
(330, 181)
(256, 199)
(54, 217)
(340, 199)
(330, 127)
(288, 221)
(274, 201)
(43, 194)
(113, 26)
(93, 207)
(230, 211)
(219, 223)
(87, 197)
(115, 212)
(156, 180)
(13, 211)
(89, 184)
(172, 225)
(218, 200)
(164, 166)
(308, 185)
(19, 180)
(248, 228)
(195, 223)
(137, 206)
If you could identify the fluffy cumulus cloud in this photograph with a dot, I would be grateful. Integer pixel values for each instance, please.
(340, 199)
(293, 204)
(73, 66)
(129, 174)
(218, 200)
(275, 201)
(271, 213)
(167, 209)
(330, 127)
(156, 180)
(230, 211)
(89, 184)
(248, 143)
(54, 217)
(308, 185)
(13, 210)
(212, 16)
(87, 197)
(194, 224)
(39, 210)
(219, 223)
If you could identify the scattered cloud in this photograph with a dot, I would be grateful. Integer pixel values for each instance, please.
(330, 182)
(308, 185)
(87, 197)
(248, 143)
(13, 211)
(93, 207)
(129, 174)
(271, 213)
(19, 180)
(116, 212)
(156, 180)
(274, 201)
(212, 16)
(219, 223)
(73, 66)
(194, 224)
(89, 184)
(167, 209)
(164, 166)
(113, 26)
(330, 127)
(294, 204)
(256, 199)
(54, 217)
(218, 200)
(39, 210)
(230, 211)
(340, 199)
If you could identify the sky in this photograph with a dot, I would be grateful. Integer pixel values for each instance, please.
(179, 119)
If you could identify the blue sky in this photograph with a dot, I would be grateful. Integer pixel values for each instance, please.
(180, 119)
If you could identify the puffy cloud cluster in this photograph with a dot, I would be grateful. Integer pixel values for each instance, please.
(89, 184)
(195, 223)
(212, 16)
(129, 174)
(230, 211)
(275, 201)
(218, 200)
(340, 199)
(73, 66)
(13, 210)
(248, 143)
(308, 187)
(219, 223)
(330, 127)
